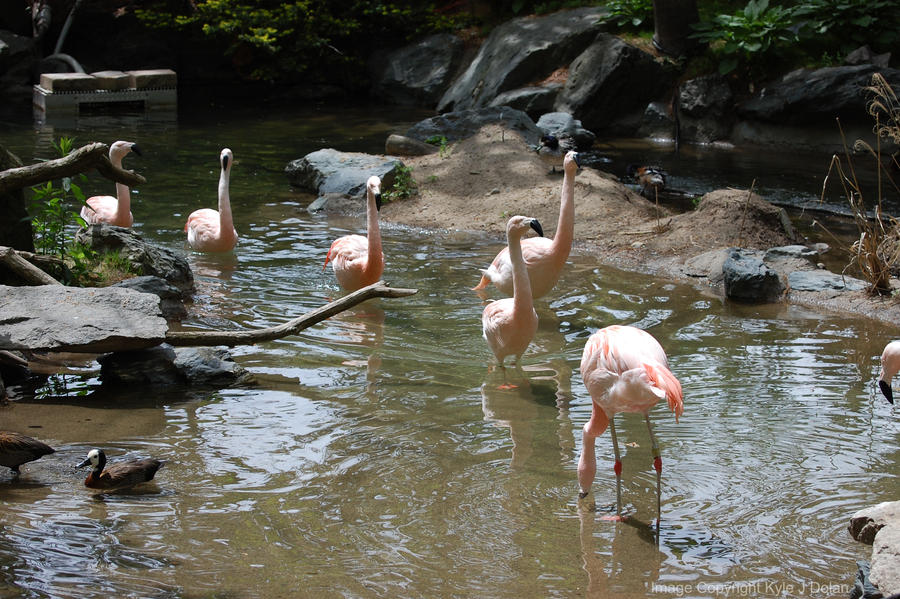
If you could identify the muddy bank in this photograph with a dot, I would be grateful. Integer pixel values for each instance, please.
(486, 178)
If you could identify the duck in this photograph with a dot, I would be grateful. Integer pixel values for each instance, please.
(122, 475)
(356, 260)
(107, 209)
(17, 449)
(509, 324)
(211, 230)
(651, 179)
(552, 150)
(544, 258)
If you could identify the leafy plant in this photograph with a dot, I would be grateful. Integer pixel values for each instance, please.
(441, 142)
(404, 186)
(632, 15)
(747, 37)
(849, 24)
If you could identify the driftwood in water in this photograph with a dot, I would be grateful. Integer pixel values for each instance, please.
(232, 338)
(24, 270)
(93, 155)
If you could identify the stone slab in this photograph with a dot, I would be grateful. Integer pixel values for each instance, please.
(68, 82)
(153, 79)
(112, 80)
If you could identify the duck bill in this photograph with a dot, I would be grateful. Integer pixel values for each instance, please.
(84, 463)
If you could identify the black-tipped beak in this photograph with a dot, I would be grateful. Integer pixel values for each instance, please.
(136, 150)
(577, 159)
(225, 161)
(886, 389)
(83, 464)
(537, 227)
(378, 201)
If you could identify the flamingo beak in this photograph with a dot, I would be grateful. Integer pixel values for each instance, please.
(378, 201)
(225, 161)
(886, 390)
(136, 150)
(537, 227)
(577, 159)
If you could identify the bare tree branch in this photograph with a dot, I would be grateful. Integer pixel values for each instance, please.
(85, 158)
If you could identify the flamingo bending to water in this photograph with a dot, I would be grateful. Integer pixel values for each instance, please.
(108, 209)
(890, 365)
(211, 230)
(625, 370)
(358, 261)
(544, 258)
(510, 323)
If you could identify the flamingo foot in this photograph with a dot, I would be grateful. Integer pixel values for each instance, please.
(506, 386)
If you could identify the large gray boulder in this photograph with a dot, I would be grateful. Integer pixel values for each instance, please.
(564, 125)
(95, 320)
(330, 172)
(520, 52)
(748, 279)
(809, 97)
(164, 366)
(610, 84)
(879, 526)
(466, 123)
(418, 74)
(144, 258)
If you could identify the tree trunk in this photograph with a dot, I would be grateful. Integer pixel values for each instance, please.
(672, 25)
(15, 228)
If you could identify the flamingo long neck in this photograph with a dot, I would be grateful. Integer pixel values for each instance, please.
(521, 284)
(565, 226)
(123, 193)
(373, 232)
(226, 224)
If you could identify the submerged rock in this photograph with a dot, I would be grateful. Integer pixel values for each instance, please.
(165, 365)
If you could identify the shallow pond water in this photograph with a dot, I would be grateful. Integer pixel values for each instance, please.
(376, 456)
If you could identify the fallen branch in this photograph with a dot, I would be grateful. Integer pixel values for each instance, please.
(83, 159)
(23, 269)
(232, 338)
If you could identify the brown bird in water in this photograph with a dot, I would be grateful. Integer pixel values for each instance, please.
(118, 476)
(17, 449)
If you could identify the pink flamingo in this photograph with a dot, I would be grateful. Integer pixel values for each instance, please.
(544, 258)
(510, 323)
(358, 261)
(108, 209)
(211, 230)
(625, 370)
(890, 365)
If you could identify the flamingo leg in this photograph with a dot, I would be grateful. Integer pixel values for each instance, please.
(617, 468)
(657, 465)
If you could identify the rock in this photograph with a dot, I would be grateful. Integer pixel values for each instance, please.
(145, 258)
(823, 280)
(337, 203)
(519, 53)
(880, 526)
(69, 82)
(863, 55)
(400, 145)
(332, 172)
(866, 523)
(748, 279)
(657, 122)
(163, 366)
(807, 97)
(58, 318)
(418, 74)
(705, 109)
(862, 586)
(610, 83)
(170, 297)
(885, 562)
(466, 123)
(708, 264)
(533, 101)
(563, 124)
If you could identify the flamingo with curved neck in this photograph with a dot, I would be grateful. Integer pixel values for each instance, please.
(358, 261)
(509, 324)
(108, 209)
(544, 258)
(211, 230)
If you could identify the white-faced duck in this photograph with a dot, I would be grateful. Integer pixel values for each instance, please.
(122, 475)
(17, 449)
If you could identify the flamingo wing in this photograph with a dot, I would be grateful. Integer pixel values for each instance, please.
(538, 260)
(103, 209)
(349, 256)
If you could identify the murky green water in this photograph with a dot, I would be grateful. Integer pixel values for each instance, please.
(376, 457)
